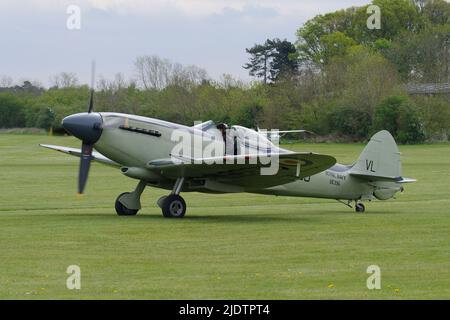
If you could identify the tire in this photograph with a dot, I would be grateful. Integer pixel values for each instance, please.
(360, 208)
(173, 206)
(122, 210)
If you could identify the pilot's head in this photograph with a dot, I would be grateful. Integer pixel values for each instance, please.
(222, 127)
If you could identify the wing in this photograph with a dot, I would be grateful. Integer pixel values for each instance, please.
(407, 180)
(248, 171)
(383, 178)
(97, 156)
(285, 132)
(292, 131)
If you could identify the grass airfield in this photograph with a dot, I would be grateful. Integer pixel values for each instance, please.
(228, 246)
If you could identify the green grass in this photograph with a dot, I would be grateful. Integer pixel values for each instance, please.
(228, 246)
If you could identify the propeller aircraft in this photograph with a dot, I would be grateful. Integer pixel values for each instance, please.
(149, 150)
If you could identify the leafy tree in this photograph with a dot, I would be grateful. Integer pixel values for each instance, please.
(423, 56)
(310, 36)
(27, 89)
(283, 58)
(11, 111)
(351, 121)
(248, 115)
(63, 101)
(397, 115)
(324, 36)
(398, 16)
(258, 65)
(335, 44)
(434, 112)
(361, 79)
(45, 118)
(272, 59)
(436, 11)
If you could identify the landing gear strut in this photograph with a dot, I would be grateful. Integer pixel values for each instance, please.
(129, 203)
(173, 205)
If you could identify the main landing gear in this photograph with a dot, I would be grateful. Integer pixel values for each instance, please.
(173, 205)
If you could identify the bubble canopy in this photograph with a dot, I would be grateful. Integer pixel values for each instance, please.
(252, 139)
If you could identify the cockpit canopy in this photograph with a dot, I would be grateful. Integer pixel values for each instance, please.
(238, 139)
(251, 139)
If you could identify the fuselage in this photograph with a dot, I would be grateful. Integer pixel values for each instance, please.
(334, 183)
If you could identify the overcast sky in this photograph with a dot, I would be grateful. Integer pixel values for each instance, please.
(211, 34)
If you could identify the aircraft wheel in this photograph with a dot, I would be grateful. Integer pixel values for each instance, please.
(122, 210)
(173, 206)
(360, 208)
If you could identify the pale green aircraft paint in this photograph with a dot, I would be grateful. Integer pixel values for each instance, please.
(142, 148)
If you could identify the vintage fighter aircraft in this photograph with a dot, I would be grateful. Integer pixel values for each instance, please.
(143, 149)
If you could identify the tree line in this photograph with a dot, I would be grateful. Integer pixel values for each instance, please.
(340, 80)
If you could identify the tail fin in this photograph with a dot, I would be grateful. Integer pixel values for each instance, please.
(380, 158)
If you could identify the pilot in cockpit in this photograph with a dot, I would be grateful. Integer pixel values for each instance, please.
(228, 138)
(223, 127)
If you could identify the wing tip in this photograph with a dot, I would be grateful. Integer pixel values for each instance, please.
(407, 180)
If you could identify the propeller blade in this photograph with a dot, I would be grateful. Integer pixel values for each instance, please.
(91, 98)
(91, 102)
(85, 164)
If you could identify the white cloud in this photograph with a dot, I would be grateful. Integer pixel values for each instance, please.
(193, 8)
(210, 7)
(186, 7)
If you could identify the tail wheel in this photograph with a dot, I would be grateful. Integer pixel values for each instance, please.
(173, 206)
(360, 208)
(122, 210)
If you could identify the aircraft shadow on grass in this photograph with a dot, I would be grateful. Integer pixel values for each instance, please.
(300, 218)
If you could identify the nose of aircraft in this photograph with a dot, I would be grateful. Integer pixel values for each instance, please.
(85, 126)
